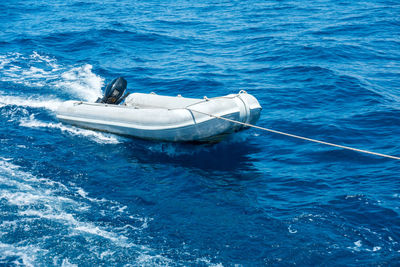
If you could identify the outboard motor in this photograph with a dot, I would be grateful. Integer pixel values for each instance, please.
(114, 91)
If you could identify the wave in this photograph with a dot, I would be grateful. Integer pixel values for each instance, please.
(38, 71)
(20, 255)
(27, 119)
(31, 101)
(103, 138)
(43, 212)
(82, 82)
(41, 71)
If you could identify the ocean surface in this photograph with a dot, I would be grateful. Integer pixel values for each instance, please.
(323, 69)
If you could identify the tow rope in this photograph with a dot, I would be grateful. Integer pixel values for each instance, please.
(297, 136)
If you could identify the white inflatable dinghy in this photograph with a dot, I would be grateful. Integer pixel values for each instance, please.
(164, 118)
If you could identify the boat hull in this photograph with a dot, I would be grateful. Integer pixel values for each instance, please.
(164, 118)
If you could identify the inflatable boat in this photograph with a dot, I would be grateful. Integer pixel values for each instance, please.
(164, 118)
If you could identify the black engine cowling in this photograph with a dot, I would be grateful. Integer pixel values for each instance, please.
(114, 91)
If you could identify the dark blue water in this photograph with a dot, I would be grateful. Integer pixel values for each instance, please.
(328, 70)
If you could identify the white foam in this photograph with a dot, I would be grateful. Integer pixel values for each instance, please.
(84, 195)
(376, 248)
(23, 180)
(99, 137)
(50, 61)
(106, 253)
(40, 71)
(27, 198)
(82, 192)
(8, 58)
(41, 199)
(54, 212)
(82, 82)
(26, 255)
(358, 243)
(206, 261)
(291, 230)
(20, 198)
(52, 206)
(7, 166)
(33, 71)
(66, 263)
(33, 102)
(153, 260)
(95, 230)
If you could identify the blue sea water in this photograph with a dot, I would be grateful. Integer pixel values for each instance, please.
(323, 69)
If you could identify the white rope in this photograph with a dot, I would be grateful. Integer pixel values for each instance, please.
(298, 137)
